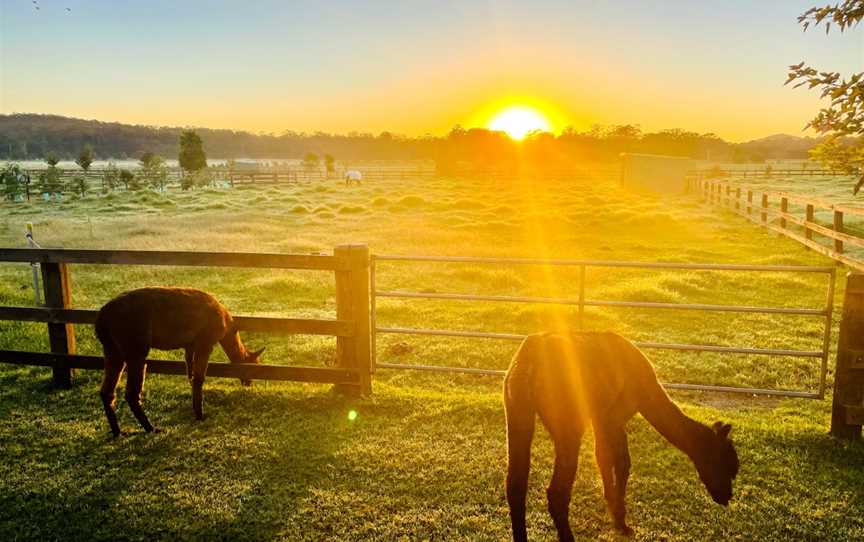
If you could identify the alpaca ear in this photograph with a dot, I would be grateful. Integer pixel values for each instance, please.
(722, 429)
(258, 352)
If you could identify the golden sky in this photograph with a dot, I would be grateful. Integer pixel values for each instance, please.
(416, 67)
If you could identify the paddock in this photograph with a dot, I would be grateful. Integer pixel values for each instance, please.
(423, 456)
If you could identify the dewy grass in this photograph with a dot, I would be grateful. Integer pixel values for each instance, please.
(424, 457)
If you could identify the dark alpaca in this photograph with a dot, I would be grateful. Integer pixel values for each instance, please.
(132, 323)
(573, 380)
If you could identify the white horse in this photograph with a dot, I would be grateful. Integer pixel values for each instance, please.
(353, 175)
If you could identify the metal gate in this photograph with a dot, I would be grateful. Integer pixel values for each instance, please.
(824, 312)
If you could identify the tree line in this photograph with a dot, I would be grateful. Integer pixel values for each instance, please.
(32, 136)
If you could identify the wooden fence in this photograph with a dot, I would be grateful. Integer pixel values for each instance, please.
(350, 263)
(306, 175)
(768, 173)
(264, 175)
(771, 209)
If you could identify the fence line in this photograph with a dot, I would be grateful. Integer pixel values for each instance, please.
(349, 263)
(768, 172)
(355, 326)
(754, 204)
(581, 302)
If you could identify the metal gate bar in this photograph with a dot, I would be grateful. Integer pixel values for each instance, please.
(581, 302)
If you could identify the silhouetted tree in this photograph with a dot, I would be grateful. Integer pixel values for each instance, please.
(110, 178)
(85, 158)
(192, 157)
(129, 180)
(310, 161)
(154, 173)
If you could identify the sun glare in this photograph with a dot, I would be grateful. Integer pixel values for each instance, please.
(519, 121)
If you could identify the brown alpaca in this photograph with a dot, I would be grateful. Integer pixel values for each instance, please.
(573, 380)
(132, 323)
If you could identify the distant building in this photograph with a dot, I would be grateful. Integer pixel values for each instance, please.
(246, 165)
(655, 172)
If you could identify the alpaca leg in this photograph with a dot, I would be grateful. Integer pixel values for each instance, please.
(558, 492)
(134, 384)
(520, 432)
(190, 362)
(110, 377)
(199, 371)
(613, 462)
(622, 474)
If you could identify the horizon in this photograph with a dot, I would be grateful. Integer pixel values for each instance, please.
(808, 135)
(705, 69)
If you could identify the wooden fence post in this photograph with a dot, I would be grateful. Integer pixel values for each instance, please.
(738, 198)
(784, 207)
(838, 227)
(847, 410)
(764, 207)
(58, 294)
(728, 193)
(749, 202)
(808, 217)
(353, 302)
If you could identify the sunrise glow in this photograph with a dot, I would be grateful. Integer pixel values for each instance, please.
(519, 121)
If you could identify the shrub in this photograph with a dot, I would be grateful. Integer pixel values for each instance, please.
(196, 180)
(49, 181)
(13, 182)
(310, 161)
(154, 173)
(78, 185)
(110, 178)
(129, 180)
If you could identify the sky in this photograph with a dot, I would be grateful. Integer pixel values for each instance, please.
(414, 66)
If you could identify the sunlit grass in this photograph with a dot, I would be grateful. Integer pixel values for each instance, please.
(423, 458)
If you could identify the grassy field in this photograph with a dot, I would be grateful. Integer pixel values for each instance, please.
(424, 460)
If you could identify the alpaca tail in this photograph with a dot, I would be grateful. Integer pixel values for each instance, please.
(521, 418)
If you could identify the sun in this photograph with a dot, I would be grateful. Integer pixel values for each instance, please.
(518, 121)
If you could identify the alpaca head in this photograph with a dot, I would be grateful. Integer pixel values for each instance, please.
(718, 465)
(251, 357)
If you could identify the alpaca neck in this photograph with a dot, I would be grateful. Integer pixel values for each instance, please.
(681, 431)
(233, 347)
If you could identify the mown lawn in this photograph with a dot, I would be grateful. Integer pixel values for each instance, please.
(424, 459)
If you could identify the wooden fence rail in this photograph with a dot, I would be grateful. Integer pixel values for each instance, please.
(350, 264)
(265, 175)
(768, 173)
(741, 199)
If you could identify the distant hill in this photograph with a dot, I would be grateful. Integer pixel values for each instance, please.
(780, 146)
(32, 136)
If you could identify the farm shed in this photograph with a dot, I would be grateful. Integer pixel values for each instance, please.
(655, 172)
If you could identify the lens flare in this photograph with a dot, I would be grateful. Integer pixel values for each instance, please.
(352, 415)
